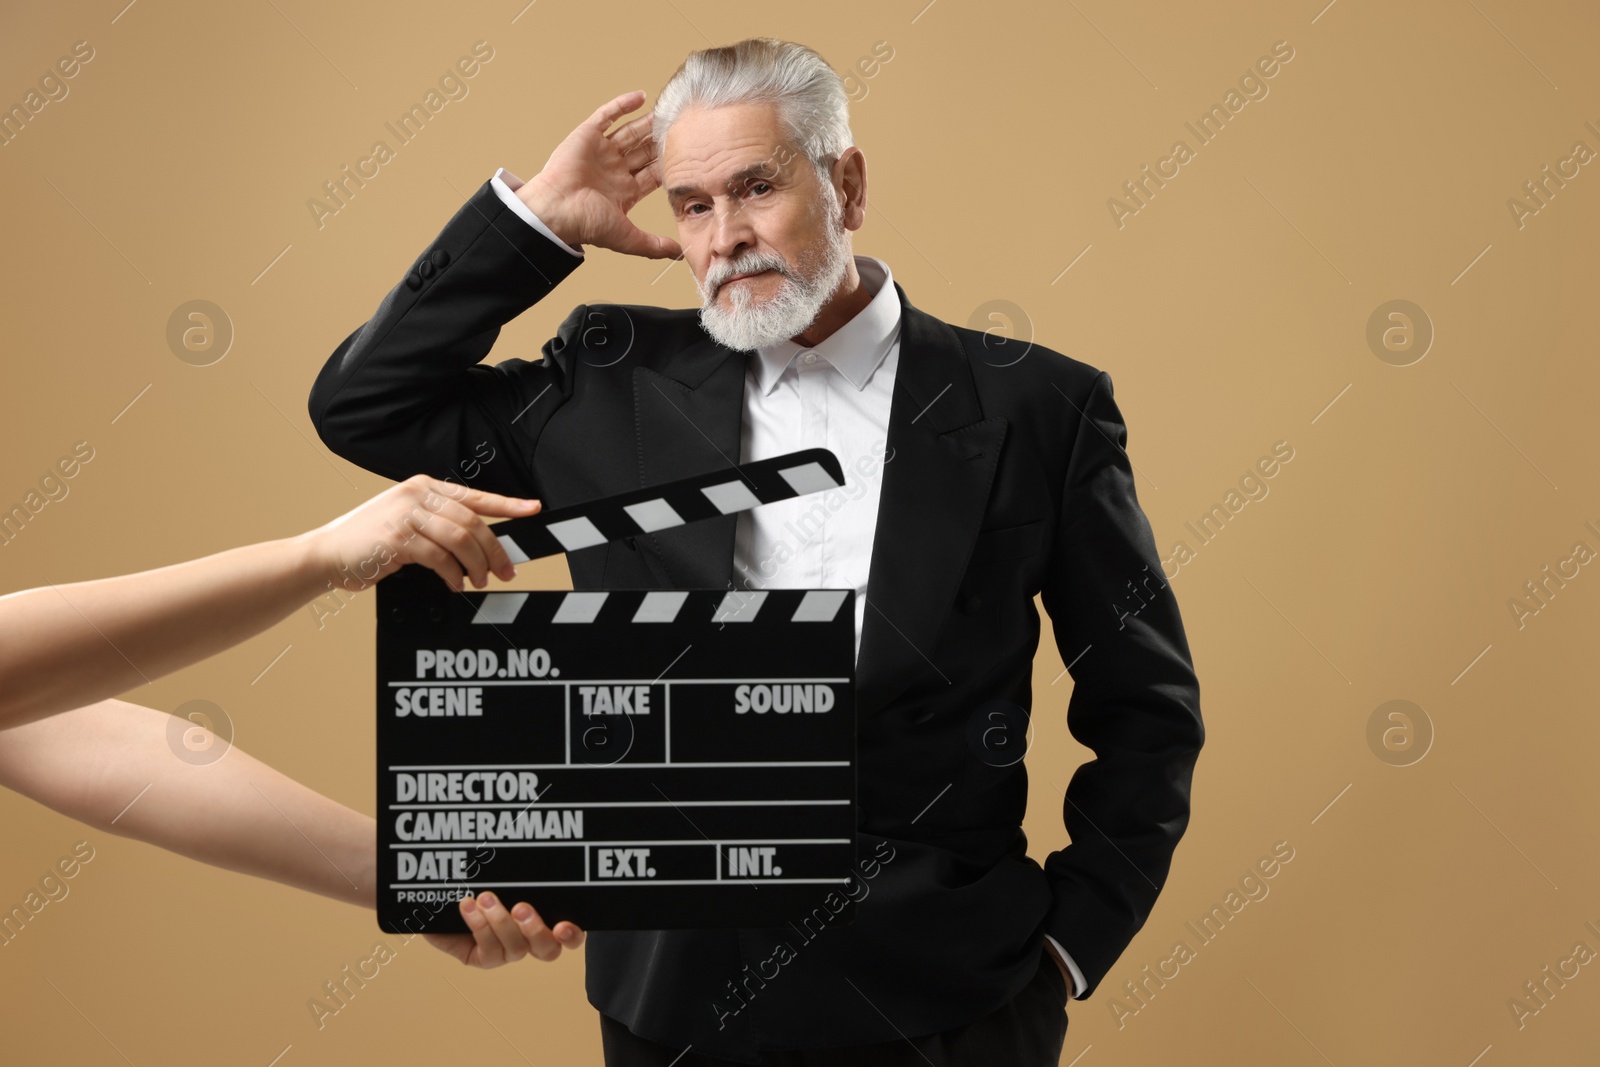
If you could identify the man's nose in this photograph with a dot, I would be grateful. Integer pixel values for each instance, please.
(732, 233)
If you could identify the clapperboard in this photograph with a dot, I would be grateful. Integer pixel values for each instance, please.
(623, 759)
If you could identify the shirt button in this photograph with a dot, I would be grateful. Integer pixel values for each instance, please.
(809, 357)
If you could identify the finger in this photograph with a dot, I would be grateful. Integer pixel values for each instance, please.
(423, 551)
(541, 942)
(615, 108)
(490, 954)
(467, 508)
(447, 531)
(569, 934)
(646, 179)
(512, 944)
(461, 533)
(428, 483)
(485, 503)
(636, 242)
(634, 132)
(640, 156)
(488, 542)
(494, 553)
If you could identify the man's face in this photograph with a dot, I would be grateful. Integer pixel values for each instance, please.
(762, 234)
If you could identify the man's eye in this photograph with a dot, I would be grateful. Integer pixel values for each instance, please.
(690, 209)
(759, 185)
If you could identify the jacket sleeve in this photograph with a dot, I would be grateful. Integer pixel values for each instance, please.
(1135, 700)
(405, 394)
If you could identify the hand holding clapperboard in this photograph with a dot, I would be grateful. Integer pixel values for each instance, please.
(621, 759)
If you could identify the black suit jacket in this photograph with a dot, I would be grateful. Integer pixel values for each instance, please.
(1005, 478)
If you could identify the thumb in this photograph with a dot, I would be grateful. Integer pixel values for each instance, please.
(636, 242)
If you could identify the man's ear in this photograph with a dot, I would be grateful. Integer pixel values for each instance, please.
(850, 178)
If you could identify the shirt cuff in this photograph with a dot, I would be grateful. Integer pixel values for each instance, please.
(505, 185)
(1078, 983)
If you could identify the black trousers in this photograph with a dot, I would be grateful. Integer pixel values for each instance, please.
(1028, 1031)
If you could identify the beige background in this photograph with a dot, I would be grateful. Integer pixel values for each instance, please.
(1231, 310)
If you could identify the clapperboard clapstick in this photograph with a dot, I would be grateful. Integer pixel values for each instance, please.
(642, 511)
(622, 758)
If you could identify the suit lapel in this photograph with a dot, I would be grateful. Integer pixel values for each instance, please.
(939, 467)
(689, 423)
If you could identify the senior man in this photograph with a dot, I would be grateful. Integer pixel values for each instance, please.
(975, 482)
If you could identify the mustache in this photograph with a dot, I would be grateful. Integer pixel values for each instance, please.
(718, 276)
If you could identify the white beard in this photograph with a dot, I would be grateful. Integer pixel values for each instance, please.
(750, 324)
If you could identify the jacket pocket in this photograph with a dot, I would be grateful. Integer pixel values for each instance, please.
(1009, 542)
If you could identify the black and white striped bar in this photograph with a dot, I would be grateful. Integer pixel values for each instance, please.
(660, 507)
(666, 607)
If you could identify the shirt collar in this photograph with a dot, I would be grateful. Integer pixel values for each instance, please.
(855, 349)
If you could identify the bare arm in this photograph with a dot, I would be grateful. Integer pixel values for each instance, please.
(70, 645)
(236, 812)
(110, 765)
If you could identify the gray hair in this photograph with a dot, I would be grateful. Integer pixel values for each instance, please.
(811, 103)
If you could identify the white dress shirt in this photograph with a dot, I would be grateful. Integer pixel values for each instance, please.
(834, 395)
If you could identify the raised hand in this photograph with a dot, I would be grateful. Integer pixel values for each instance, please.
(594, 178)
